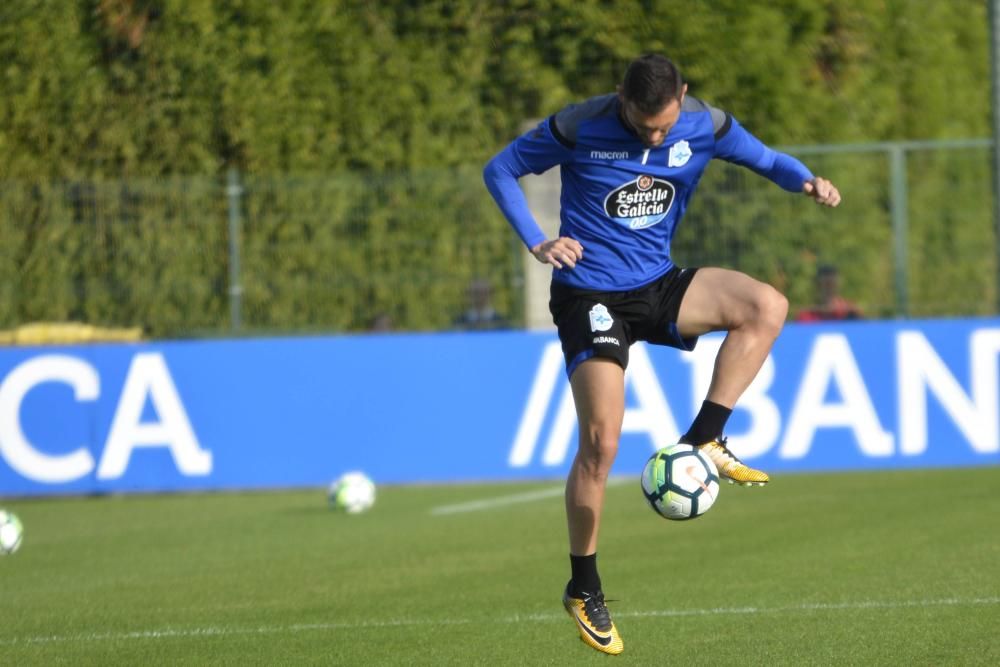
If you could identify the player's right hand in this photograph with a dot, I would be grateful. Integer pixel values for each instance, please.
(561, 252)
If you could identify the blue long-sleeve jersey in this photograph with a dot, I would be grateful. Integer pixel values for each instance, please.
(621, 200)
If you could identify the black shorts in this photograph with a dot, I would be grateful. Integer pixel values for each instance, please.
(605, 324)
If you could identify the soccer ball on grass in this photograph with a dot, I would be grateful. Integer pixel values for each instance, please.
(352, 492)
(11, 532)
(680, 482)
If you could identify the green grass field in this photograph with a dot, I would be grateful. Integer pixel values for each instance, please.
(893, 568)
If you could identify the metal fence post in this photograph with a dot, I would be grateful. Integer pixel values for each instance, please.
(994, 19)
(899, 213)
(234, 192)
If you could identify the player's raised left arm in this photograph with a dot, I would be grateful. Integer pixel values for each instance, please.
(735, 144)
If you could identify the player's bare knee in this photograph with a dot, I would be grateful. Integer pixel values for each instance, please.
(599, 452)
(770, 311)
(762, 314)
(774, 310)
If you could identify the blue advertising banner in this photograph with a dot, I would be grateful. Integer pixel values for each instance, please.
(475, 406)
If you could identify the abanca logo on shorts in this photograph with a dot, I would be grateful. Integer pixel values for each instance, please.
(641, 203)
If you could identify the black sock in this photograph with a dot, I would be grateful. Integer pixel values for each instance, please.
(585, 577)
(709, 423)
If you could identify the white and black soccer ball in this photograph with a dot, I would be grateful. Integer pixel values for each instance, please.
(680, 482)
(11, 532)
(353, 492)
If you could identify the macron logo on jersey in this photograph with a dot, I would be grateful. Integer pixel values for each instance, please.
(608, 155)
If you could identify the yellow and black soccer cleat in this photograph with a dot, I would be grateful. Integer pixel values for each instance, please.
(593, 621)
(731, 468)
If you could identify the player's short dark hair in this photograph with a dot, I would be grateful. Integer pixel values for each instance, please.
(651, 82)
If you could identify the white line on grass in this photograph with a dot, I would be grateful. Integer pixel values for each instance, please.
(171, 633)
(820, 606)
(514, 499)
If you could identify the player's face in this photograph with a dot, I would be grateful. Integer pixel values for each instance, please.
(652, 130)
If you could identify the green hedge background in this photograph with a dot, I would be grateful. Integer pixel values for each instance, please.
(359, 130)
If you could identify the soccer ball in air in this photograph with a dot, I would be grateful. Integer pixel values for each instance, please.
(11, 532)
(680, 482)
(352, 492)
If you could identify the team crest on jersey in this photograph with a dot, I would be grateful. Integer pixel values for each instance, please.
(600, 318)
(679, 155)
(640, 203)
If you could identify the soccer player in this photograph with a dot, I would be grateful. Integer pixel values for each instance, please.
(630, 162)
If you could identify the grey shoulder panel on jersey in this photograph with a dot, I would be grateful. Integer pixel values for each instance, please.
(564, 123)
(721, 120)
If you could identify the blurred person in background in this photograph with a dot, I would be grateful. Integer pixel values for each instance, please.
(830, 305)
(630, 162)
(479, 313)
(381, 322)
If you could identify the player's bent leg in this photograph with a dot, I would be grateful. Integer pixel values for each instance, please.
(752, 313)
